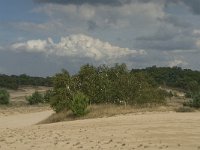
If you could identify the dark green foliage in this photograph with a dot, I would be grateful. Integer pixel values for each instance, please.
(79, 104)
(118, 85)
(185, 79)
(35, 98)
(13, 81)
(4, 97)
(195, 102)
(188, 94)
(102, 84)
(63, 92)
(48, 95)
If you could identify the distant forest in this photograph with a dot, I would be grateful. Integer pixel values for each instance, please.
(176, 77)
(14, 81)
(185, 79)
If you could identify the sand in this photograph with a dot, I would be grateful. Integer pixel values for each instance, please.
(151, 131)
(20, 94)
(21, 120)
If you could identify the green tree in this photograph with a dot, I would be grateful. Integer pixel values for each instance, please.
(63, 92)
(79, 104)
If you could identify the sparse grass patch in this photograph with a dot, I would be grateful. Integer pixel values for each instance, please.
(99, 111)
(184, 109)
(56, 117)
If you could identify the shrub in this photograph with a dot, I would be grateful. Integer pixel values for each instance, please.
(188, 94)
(35, 98)
(4, 97)
(79, 104)
(61, 99)
(195, 102)
(48, 95)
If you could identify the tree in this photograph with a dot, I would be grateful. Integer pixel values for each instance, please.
(62, 90)
(79, 104)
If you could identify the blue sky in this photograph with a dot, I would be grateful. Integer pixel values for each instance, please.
(40, 37)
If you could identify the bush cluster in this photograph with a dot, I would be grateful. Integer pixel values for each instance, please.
(110, 85)
(4, 97)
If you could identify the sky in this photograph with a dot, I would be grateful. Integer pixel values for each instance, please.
(40, 37)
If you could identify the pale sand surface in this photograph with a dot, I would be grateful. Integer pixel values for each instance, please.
(21, 120)
(22, 92)
(150, 131)
(19, 104)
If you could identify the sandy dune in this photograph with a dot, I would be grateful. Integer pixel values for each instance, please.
(21, 120)
(151, 131)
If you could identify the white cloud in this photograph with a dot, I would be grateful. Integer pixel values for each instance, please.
(177, 62)
(78, 46)
(31, 46)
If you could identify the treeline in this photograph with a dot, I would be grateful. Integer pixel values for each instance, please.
(176, 77)
(103, 84)
(185, 79)
(14, 81)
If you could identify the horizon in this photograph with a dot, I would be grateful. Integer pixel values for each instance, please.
(41, 37)
(71, 74)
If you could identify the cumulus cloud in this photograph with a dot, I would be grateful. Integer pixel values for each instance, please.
(78, 47)
(31, 46)
(177, 62)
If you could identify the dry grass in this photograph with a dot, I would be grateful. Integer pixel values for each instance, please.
(100, 111)
(108, 110)
(184, 109)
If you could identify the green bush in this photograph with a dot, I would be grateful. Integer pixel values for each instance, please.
(35, 98)
(60, 102)
(188, 94)
(79, 104)
(4, 97)
(48, 95)
(194, 102)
